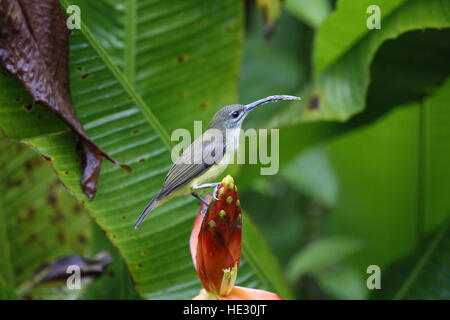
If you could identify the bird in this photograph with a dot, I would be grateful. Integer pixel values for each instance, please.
(208, 156)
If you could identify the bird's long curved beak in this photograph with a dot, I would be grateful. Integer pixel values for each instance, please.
(253, 105)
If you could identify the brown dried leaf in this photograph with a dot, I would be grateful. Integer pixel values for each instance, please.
(34, 48)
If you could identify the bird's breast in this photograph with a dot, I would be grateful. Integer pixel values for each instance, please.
(210, 175)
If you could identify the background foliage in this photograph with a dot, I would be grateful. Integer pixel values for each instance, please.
(364, 156)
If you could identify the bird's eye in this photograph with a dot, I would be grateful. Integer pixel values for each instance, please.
(235, 114)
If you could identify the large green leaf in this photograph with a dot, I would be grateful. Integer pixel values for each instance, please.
(140, 69)
(345, 49)
(396, 184)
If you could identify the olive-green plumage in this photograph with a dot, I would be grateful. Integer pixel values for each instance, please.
(187, 173)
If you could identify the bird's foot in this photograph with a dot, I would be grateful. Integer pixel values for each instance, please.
(216, 190)
(206, 203)
(214, 185)
(199, 197)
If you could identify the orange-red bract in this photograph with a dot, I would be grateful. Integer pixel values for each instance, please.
(216, 238)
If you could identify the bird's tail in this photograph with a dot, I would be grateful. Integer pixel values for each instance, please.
(147, 210)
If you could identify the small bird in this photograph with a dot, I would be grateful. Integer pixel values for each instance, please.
(207, 157)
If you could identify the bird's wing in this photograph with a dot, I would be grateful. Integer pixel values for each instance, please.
(187, 167)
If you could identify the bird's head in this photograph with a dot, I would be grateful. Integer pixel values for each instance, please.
(232, 116)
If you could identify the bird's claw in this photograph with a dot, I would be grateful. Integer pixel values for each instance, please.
(216, 189)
